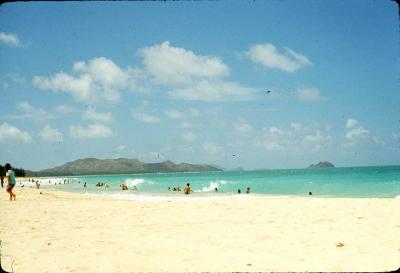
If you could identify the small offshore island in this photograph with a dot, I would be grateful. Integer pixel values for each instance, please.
(322, 164)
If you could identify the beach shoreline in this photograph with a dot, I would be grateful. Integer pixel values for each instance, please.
(67, 232)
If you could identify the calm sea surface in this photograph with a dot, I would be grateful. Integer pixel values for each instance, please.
(383, 181)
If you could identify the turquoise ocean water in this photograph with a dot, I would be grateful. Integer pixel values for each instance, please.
(381, 182)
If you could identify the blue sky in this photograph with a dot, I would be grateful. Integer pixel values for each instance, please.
(189, 81)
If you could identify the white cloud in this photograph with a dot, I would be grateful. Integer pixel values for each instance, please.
(65, 109)
(50, 135)
(243, 128)
(189, 136)
(268, 56)
(186, 125)
(120, 148)
(177, 66)
(11, 79)
(297, 138)
(274, 139)
(10, 39)
(206, 90)
(355, 130)
(212, 148)
(31, 112)
(92, 115)
(296, 126)
(317, 141)
(309, 94)
(275, 131)
(25, 106)
(191, 77)
(351, 123)
(11, 134)
(100, 79)
(90, 132)
(174, 114)
(194, 112)
(146, 118)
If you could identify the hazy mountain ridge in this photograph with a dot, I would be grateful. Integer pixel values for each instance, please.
(93, 166)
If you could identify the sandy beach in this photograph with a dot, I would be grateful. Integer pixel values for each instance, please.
(64, 232)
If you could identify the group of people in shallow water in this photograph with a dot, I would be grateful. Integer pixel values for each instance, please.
(247, 191)
(188, 190)
(124, 187)
(99, 184)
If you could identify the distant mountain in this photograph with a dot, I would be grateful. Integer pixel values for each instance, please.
(93, 166)
(324, 164)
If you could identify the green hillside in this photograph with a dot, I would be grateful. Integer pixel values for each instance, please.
(93, 166)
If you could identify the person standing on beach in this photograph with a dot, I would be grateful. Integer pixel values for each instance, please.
(1, 176)
(11, 181)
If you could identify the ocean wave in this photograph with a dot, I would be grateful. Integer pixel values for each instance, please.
(136, 181)
(212, 186)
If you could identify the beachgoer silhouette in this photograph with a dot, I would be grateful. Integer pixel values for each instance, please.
(11, 181)
(187, 188)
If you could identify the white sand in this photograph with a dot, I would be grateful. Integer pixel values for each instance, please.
(64, 232)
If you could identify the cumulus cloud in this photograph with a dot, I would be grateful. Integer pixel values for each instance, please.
(25, 107)
(144, 117)
(65, 109)
(10, 134)
(187, 125)
(90, 132)
(206, 90)
(191, 77)
(177, 66)
(92, 115)
(30, 112)
(355, 130)
(212, 148)
(243, 128)
(308, 94)
(10, 39)
(194, 112)
(186, 75)
(295, 138)
(174, 114)
(189, 136)
(317, 141)
(50, 135)
(268, 56)
(100, 79)
(296, 126)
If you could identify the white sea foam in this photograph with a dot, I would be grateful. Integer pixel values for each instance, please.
(134, 182)
(397, 197)
(212, 186)
(43, 181)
